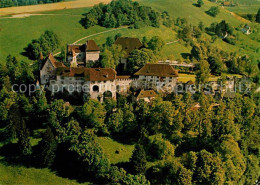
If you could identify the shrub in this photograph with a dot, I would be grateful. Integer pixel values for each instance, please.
(230, 40)
(159, 148)
(213, 11)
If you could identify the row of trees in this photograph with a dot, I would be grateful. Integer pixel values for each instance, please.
(119, 13)
(10, 3)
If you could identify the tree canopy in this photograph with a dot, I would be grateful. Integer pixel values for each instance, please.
(119, 13)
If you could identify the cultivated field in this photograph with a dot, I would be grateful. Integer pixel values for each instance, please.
(50, 7)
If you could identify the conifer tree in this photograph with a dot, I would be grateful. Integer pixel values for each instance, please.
(24, 144)
(47, 149)
(138, 159)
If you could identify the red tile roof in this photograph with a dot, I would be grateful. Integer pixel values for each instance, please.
(123, 77)
(78, 48)
(227, 3)
(147, 94)
(90, 74)
(55, 63)
(92, 46)
(161, 70)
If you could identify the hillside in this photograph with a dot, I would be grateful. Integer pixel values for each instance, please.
(65, 23)
(245, 6)
(179, 107)
(21, 175)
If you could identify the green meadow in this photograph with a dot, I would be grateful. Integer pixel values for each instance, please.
(116, 152)
(11, 175)
(16, 33)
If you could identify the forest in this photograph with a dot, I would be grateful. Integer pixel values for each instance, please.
(183, 145)
(122, 13)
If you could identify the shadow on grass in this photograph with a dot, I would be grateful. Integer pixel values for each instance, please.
(186, 55)
(65, 166)
(197, 5)
(126, 139)
(126, 166)
(10, 152)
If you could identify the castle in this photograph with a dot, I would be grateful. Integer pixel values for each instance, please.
(81, 55)
(100, 83)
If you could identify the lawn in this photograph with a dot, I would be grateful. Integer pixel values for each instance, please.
(185, 8)
(116, 152)
(68, 31)
(191, 77)
(245, 6)
(16, 33)
(14, 175)
(245, 9)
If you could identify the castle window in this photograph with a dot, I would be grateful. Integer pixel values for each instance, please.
(95, 88)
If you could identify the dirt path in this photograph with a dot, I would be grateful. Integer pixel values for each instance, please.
(94, 35)
(50, 7)
(173, 42)
(98, 34)
(29, 14)
(236, 16)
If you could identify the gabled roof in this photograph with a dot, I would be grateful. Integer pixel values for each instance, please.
(147, 94)
(92, 46)
(226, 3)
(55, 63)
(129, 44)
(78, 48)
(90, 74)
(161, 70)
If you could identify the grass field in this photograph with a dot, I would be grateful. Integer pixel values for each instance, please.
(116, 152)
(245, 9)
(185, 8)
(32, 27)
(190, 77)
(16, 33)
(245, 6)
(15, 175)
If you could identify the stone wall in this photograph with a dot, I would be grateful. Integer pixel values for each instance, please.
(47, 72)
